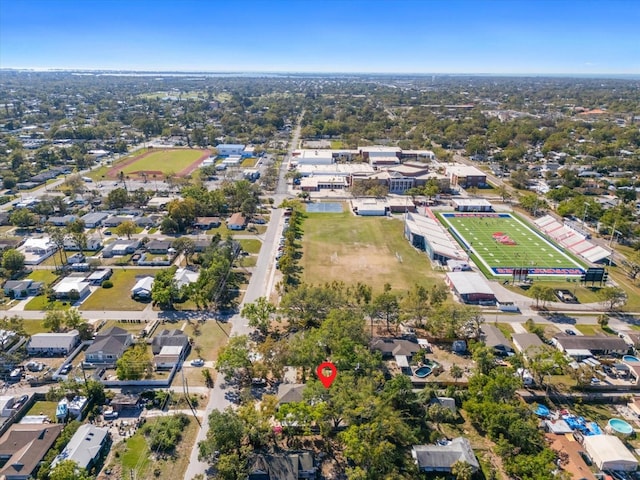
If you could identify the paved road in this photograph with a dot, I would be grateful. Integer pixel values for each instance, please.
(260, 284)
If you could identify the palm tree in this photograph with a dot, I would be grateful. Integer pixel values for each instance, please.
(462, 470)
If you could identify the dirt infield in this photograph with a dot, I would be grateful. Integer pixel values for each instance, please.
(116, 169)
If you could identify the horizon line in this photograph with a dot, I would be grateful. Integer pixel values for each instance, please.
(307, 72)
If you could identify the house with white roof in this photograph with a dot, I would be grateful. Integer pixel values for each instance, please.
(226, 149)
(184, 276)
(35, 250)
(142, 289)
(65, 287)
(86, 447)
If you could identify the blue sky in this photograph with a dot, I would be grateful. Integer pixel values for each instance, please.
(396, 36)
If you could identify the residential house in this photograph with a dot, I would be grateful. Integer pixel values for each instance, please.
(184, 277)
(494, 338)
(528, 344)
(440, 458)
(94, 219)
(290, 393)
(77, 283)
(200, 245)
(19, 289)
(158, 247)
(583, 346)
(168, 357)
(285, 466)
(86, 447)
(98, 276)
(114, 221)
(75, 258)
(120, 247)
(94, 243)
(35, 250)
(125, 401)
(53, 343)
(142, 289)
(205, 223)
(61, 221)
(145, 222)
(108, 346)
(23, 447)
(237, 221)
(390, 347)
(169, 338)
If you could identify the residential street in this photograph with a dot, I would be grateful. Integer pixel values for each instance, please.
(261, 283)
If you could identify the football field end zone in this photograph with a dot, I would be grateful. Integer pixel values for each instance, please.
(573, 269)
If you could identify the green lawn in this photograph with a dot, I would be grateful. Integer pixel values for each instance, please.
(208, 336)
(373, 250)
(165, 161)
(133, 328)
(135, 459)
(34, 326)
(42, 303)
(582, 293)
(118, 297)
(42, 407)
(590, 329)
(46, 276)
(251, 246)
(249, 162)
(528, 249)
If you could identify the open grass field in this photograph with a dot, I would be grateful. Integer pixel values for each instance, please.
(135, 460)
(159, 162)
(501, 242)
(373, 250)
(119, 296)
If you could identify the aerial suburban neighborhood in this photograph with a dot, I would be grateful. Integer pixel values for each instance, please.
(318, 276)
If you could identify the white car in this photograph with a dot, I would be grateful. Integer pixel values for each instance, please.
(198, 362)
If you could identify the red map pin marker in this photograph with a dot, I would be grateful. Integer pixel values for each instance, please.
(327, 380)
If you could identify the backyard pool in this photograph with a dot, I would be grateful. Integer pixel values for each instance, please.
(630, 359)
(620, 426)
(422, 372)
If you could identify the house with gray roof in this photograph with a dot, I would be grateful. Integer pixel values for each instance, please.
(53, 343)
(61, 221)
(528, 344)
(169, 338)
(578, 346)
(86, 447)
(287, 466)
(22, 288)
(440, 458)
(494, 338)
(94, 219)
(393, 347)
(108, 346)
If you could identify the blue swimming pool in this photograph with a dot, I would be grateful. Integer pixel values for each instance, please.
(620, 426)
(422, 372)
(630, 359)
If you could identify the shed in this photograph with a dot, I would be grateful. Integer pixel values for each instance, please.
(609, 453)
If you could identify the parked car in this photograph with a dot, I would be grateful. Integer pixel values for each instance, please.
(66, 369)
(198, 362)
(568, 331)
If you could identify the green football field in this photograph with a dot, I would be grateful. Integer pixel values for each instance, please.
(502, 242)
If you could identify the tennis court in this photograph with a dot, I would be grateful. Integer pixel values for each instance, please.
(503, 242)
(324, 207)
